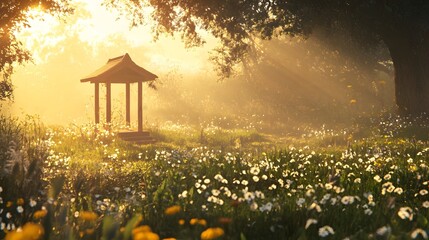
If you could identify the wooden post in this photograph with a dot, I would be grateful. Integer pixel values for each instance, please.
(128, 115)
(97, 102)
(140, 106)
(108, 103)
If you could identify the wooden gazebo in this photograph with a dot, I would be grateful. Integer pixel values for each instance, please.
(121, 70)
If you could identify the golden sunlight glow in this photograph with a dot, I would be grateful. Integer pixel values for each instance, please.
(68, 48)
(95, 25)
(38, 33)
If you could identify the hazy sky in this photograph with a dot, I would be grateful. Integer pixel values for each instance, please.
(65, 50)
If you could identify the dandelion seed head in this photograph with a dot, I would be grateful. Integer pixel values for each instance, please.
(20, 209)
(385, 230)
(419, 232)
(316, 207)
(215, 192)
(253, 206)
(255, 170)
(300, 202)
(406, 213)
(377, 178)
(398, 190)
(326, 231)
(310, 222)
(346, 200)
(255, 178)
(368, 211)
(32, 203)
(423, 192)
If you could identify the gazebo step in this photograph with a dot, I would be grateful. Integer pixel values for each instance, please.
(133, 134)
(137, 137)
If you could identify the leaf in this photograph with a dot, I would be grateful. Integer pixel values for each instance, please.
(131, 225)
(191, 193)
(158, 193)
(242, 237)
(109, 228)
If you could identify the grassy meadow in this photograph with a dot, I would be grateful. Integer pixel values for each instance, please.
(369, 181)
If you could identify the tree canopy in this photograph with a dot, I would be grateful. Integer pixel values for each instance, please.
(401, 25)
(13, 16)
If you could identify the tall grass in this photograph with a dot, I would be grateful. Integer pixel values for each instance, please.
(23, 150)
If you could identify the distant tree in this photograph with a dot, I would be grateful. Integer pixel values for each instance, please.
(13, 16)
(401, 25)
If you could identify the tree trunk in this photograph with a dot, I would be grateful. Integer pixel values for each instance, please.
(410, 55)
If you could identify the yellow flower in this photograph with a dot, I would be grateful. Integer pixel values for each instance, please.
(181, 222)
(144, 233)
(9, 204)
(33, 230)
(169, 239)
(142, 229)
(15, 236)
(212, 233)
(89, 216)
(30, 231)
(193, 221)
(146, 236)
(40, 214)
(353, 101)
(172, 210)
(20, 201)
(202, 222)
(412, 168)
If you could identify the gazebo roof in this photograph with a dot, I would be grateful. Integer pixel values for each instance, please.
(120, 70)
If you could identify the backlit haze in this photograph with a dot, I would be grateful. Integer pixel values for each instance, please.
(286, 86)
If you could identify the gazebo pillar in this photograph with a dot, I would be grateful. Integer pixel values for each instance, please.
(140, 106)
(108, 103)
(97, 102)
(127, 103)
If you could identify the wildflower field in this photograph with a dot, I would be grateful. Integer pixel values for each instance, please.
(82, 182)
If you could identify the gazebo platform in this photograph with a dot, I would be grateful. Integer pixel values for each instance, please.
(143, 137)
